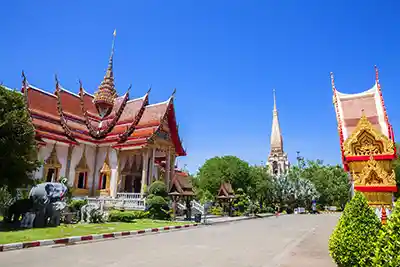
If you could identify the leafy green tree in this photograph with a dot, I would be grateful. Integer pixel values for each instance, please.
(331, 182)
(294, 191)
(352, 243)
(261, 187)
(387, 252)
(223, 169)
(18, 157)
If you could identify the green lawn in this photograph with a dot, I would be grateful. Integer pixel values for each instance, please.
(78, 230)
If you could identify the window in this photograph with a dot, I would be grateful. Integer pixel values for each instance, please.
(82, 180)
(50, 175)
(275, 167)
(103, 181)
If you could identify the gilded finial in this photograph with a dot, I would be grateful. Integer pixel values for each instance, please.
(333, 82)
(24, 81)
(56, 79)
(376, 74)
(148, 91)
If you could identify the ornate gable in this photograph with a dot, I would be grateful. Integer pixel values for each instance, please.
(373, 174)
(52, 160)
(82, 165)
(366, 140)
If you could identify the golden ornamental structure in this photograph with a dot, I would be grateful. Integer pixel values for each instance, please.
(367, 144)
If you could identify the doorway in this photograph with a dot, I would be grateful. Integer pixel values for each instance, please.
(128, 184)
(137, 184)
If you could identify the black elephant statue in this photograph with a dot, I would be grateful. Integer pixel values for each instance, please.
(18, 208)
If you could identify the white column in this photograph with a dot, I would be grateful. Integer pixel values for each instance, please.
(151, 173)
(173, 158)
(168, 167)
(145, 159)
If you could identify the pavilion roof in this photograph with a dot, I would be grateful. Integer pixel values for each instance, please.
(226, 191)
(181, 184)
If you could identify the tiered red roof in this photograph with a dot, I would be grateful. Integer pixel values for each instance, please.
(103, 118)
(47, 121)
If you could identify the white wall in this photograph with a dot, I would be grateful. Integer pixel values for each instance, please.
(76, 156)
(62, 155)
(44, 153)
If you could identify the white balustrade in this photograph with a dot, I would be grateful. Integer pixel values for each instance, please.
(197, 206)
(119, 203)
(180, 206)
(130, 195)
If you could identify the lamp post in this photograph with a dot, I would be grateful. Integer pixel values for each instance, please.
(299, 158)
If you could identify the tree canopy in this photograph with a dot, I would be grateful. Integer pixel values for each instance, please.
(331, 182)
(18, 157)
(310, 180)
(223, 169)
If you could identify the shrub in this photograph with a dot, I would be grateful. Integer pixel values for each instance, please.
(126, 216)
(6, 200)
(218, 211)
(96, 216)
(253, 208)
(388, 243)
(158, 188)
(158, 208)
(77, 204)
(352, 242)
(268, 210)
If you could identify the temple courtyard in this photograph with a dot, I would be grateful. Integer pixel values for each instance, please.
(290, 240)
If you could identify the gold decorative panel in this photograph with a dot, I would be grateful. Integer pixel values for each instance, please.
(374, 174)
(366, 140)
(379, 198)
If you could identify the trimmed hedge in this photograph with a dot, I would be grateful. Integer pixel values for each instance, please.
(387, 252)
(126, 216)
(352, 243)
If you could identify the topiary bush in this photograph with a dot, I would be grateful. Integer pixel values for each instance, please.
(158, 188)
(352, 242)
(158, 208)
(126, 216)
(387, 252)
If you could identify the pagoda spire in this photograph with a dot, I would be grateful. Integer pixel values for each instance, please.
(276, 136)
(105, 96)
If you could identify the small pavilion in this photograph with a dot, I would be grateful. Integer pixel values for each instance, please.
(226, 195)
(182, 189)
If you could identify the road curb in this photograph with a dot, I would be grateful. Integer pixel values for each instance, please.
(238, 220)
(75, 239)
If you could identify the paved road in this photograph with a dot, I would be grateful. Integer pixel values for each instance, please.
(287, 241)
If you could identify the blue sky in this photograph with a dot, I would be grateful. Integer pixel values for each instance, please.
(224, 58)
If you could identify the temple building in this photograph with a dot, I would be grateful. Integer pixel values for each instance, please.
(104, 144)
(367, 144)
(278, 162)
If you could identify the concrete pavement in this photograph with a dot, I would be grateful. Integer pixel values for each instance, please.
(291, 240)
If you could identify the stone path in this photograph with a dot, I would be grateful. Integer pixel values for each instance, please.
(291, 240)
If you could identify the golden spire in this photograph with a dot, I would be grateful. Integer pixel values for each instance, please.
(106, 93)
